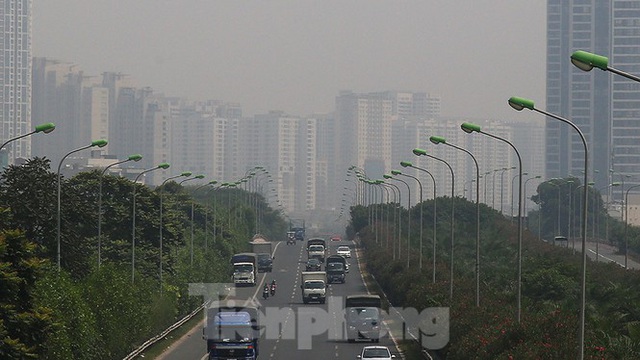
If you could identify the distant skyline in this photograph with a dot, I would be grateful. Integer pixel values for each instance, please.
(296, 56)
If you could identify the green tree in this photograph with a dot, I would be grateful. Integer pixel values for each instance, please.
(24, 325)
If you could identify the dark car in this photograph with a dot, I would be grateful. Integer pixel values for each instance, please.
(265, 262)
(314, 264)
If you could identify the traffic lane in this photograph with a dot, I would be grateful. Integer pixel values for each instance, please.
(319, 328)
(193, 345)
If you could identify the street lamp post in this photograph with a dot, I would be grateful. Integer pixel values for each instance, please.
(134, 157)
(440, 140)
(387, 176)
(43, 128)
(180, 183)
(422, 152)
(502, 188)
(519, 104)
(98, 143)
(435, 215)
(586, 61)
(206, 214)
(626, 224)
(161, 248)
(133, 216)
(526, 214)
(512, 186)
(485, 176)
(395, 172)
(594, 212)
(470, 128)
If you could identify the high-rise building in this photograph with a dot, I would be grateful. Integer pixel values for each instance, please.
(15, 78)
(606, 108)
(286, 146)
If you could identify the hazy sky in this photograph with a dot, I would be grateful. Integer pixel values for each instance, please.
(297, 55)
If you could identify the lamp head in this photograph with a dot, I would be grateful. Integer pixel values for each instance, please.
(419, 152)
(519, 103)
(396, 172)
(213, 182)
(163, 165)
(469, 127)
(586, 61)
(378, 181)
(199, 176)
(615, 184)
(406, 164)
(186, 173)
(135, 157)
(45, 128)
(537, 176)
(438, 140)
(387, 176)
(99, 143)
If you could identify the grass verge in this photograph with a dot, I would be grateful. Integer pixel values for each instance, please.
(155, 350)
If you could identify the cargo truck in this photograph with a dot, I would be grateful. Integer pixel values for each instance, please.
(363, 319)
(317, 247)
(314, 286)
(263, 249)
(335, 269)
(232, 332)
(245, 268)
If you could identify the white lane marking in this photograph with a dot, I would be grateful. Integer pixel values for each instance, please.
(395, 342)
(604, 257)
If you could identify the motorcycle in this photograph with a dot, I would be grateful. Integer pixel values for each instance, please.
(291, 241)
(273, 289)
(265, 293)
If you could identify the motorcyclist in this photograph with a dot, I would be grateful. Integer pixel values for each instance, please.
(265, 291)
(273, 287)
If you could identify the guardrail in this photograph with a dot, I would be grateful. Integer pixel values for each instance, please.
(424, 352)
(166, 332)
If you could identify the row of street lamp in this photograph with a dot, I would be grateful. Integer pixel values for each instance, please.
(584, 61)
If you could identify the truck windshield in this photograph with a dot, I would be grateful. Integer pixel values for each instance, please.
(363, 314)
(316, 248)
(233, 332)
(335, 266)
(314, 285)
(242, 268)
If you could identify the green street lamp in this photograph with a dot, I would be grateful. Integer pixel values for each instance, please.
(471, 128)
(440, 140)
(422, 152)
(397, 216)
(593, 218)
(389, 177)
(396, 172)
(206, 212)
(626, 224)
(586, 61)
(519, 104)
(134, 157)
(435, 214)
(98, 143)
(133, 224)
(161, 249)
(180, 183)
(526, 214)
(43, 128)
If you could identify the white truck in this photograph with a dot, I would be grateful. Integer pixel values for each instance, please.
(314, 286)
(317, 247)
(245, 269)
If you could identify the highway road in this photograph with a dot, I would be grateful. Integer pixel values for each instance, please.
(311, 331)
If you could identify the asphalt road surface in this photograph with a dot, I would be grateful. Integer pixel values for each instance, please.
(311, 331)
